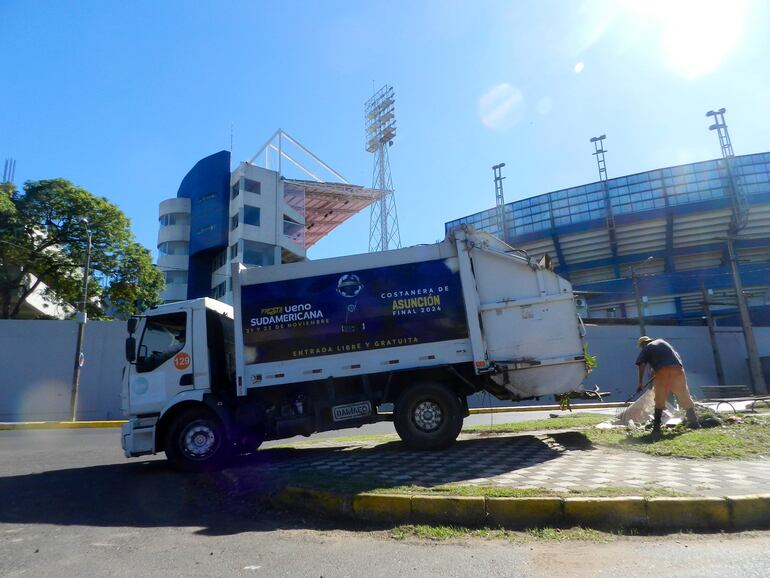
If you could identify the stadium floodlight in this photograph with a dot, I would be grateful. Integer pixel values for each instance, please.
(499, 200)
(720, 126)
(380, 128)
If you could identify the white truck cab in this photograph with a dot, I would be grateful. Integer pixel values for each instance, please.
(182, 352)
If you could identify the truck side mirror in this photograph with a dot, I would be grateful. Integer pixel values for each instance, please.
(132, 323)
(131, 349)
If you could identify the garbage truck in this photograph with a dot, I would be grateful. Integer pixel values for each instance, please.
(328, 344)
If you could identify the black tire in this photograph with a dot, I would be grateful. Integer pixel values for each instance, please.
(197, 442)
(428, 416)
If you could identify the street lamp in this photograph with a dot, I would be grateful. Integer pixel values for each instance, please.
(82, 318)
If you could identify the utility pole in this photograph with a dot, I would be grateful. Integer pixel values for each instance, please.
(755, 366)
(638, 297)
(82, 318)
(639, 307)
(712, 335)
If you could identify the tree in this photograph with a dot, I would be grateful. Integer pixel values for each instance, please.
(43, 242)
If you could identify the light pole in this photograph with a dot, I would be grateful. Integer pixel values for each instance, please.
(82, 318)
(637, 296)
(755, 365)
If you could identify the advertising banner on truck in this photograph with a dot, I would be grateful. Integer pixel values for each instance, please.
(353, 311)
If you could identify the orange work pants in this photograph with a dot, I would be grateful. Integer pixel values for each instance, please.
(672, 379)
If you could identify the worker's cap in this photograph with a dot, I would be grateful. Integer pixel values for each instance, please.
(643, 340)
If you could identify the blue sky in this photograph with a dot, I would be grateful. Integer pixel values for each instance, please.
(123, 98)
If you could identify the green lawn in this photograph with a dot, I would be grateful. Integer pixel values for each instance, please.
(567, 421)
(442, 533)
(746, 440)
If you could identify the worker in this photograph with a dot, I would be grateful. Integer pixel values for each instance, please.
(669, 376)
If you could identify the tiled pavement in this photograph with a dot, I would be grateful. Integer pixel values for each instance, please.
(556, 461)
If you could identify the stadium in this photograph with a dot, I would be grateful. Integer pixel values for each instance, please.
(661, 239)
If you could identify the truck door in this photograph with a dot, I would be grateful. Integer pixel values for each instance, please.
(164, 362)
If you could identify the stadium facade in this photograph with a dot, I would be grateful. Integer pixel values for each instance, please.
(663, 230)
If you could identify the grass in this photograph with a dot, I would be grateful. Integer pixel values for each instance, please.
(443, 533)
(503, 492)
(746, 440)
(563, 422)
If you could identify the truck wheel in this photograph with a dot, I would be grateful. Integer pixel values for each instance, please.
(197, 442)
(428, 416)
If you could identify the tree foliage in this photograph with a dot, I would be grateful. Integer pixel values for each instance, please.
(43, 242)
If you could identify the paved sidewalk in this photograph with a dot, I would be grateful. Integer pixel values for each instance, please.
(550, 460)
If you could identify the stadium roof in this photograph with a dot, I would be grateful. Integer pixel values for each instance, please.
(328, 205)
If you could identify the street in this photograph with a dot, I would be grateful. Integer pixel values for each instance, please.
(73, 505)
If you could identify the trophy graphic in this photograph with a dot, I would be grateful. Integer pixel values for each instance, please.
(349, 286)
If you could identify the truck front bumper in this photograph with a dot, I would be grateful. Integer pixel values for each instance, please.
(137, 441)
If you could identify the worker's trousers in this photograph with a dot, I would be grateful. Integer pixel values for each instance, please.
(672, 379)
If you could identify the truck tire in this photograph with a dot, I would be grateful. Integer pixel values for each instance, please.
(428, 416)
(197, 442)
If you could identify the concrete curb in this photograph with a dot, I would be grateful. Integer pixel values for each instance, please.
(60, 424)
(631, 512)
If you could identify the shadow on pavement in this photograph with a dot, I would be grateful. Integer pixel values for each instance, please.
(151, 494)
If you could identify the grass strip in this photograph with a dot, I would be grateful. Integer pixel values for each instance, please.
(561, 422)
(750, 439)
(444, 533)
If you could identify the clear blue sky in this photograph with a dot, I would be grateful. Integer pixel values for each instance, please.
(123, 98)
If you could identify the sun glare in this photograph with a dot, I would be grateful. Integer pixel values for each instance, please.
(696, 36)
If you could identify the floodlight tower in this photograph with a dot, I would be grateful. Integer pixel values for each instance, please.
(380, 132)
(499, 199)
(601, 163)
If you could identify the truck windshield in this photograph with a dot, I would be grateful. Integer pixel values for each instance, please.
(163, 337)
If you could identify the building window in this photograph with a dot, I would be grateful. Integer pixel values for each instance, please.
(251, 216)
(293, 229)
(234, 251)
(219, 291)
(258, 254)
(252, 186)
(235, 190)
(174, 219)
(234, 222)
(204, 229)
(219, 260)
(174, 248)
(175, 277)
(207, 197)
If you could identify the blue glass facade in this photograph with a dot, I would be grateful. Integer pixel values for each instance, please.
(668, 196)
(656, 189)
(207, 185)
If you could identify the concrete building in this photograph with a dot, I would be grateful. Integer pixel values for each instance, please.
(251, 215)
(601, 236)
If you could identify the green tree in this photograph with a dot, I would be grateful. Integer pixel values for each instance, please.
(43, 242)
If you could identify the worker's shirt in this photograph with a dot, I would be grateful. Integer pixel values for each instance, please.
(659, 353)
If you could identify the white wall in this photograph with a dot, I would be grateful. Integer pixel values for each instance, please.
(37, 360)
(36, 363)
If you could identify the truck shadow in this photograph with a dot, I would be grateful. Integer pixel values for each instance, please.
(151, 494)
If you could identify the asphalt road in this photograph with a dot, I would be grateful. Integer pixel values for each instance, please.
(72, 505)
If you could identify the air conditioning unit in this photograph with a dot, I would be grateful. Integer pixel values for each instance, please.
(580, 303)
